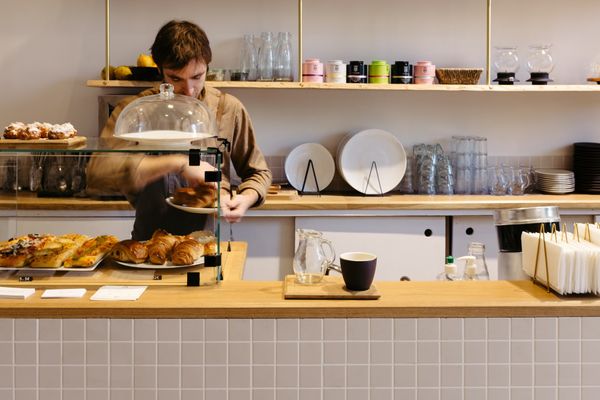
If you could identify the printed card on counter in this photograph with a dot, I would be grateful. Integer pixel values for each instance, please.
(63, 293)
(15, 293)
(118, 293)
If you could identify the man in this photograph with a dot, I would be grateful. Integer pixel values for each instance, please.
(182, 52)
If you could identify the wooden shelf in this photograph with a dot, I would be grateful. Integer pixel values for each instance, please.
(360, 86)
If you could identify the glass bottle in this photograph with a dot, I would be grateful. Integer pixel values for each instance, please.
(450, 271)
(249, 58)
(265, 57)
(477, 250)
(283, 57)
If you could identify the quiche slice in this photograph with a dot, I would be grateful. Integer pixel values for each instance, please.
(17, 252)
(57, 251)
(92, 251)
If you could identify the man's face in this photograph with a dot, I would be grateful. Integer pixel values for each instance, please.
(188, 80)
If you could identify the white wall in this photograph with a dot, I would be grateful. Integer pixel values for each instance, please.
(48, 49)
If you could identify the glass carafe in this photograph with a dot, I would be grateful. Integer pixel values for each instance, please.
(283, 58)
(477, 250)
(249, 58)
(311, 259)
(265, 57)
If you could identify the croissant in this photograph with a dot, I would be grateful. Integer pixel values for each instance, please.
(159, 248)
(130, 251)
(187, 252)
(203, 195)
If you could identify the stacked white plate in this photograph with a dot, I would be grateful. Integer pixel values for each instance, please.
(297, 166)
(372, 161)
(555, 181)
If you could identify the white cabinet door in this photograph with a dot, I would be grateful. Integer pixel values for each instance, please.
(480, 228)
(405, 246)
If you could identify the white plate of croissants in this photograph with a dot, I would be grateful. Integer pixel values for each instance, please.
(165, 251)
(198, 200)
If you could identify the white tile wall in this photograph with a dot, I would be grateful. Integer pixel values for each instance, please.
(346, 359)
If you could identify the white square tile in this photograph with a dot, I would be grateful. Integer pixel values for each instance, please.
(239, 377)
(334, 376)
(237, 395)
(49, 353)
(263, 376)
(6, 329)
(498, 328)
(213, 394)
(569, 328)
(215, 377)
(263, 330)
(48, 377)
(73, 330)
(121, 377)
(405, 352)
(7, 375)
(590, 351)
(428, 393)
(240, 353)
(569, 374)
(334, 329)
(382, 376)
(215, 330)
(121, 353)
(97, 394)
(498, 375)
(544, 375)
(308, 394)
(475, 328)
(169, 330)
(357, 394)
(428, 376)
(590, 328)
(521, 352)
(428, 328)
(590, 393)
(451, 375)
(25, 330)
(25, 353)
(144, 330)
(310, 353)
(120, 330)
(546, 328)
(382, 393)
(405, 393)
(334, 394)
(521, 328)
(475, 393)
(287, 352)
(144, 353)
(286, 376)
(192, 353)
(192, 330)
(310, 376)
(475, 352)
(266, 394)
(168, 353)
(451, 394)
(26, 394)
(144, 377)
(73, 377)
(96, 353)
(284, 394)
(358, 329)
(428, 352)
(569, 351)
(215, 354)
(451, 352)
(263, 353)
(96, 329)
(590, 374)
(382, 352)
(357, 376)
(405, 376)
(569, 393)
(521, 393)
(498, 393)
(405, 329)
(475, 375)
(49, 330)
(545, 351)
(357, 352)
(96, 377)
(240, 330)
(521, 375)
(122, 394)
(6, 349)
(73, 394)
(382, 329)
(288, 329)
(73, 353)
(49, 394)
(311, 329)
(452, 328)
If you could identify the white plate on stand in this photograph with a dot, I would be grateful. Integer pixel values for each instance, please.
(356, 157)
(193, 210)
(296, 165)
(168, 139)
(167, 265)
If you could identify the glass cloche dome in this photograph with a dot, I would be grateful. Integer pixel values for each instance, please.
(165, 119)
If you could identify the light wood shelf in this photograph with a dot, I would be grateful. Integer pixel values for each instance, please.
(360, 86)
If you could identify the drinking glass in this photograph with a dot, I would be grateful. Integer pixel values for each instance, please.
(497, 181)
(265, 57)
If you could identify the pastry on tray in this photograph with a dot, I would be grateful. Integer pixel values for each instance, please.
(161, 245)
(57, 251)
(92, 251)
(201, 196)
(39, 130)
(130, 251)
(187, 252)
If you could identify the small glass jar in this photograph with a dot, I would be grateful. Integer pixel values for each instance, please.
(507, 64)
(540, 64)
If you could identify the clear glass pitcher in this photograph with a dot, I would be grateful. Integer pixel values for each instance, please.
(311, 260)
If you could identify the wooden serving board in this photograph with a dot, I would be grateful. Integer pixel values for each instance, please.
(42, 143)
(282, 194)
(331, 287)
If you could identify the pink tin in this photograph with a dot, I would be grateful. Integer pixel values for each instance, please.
(423, 69)
(312, 70)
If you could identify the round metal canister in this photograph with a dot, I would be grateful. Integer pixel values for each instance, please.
(511, 222)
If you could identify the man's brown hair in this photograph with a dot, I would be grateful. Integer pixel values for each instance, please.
(179, 42)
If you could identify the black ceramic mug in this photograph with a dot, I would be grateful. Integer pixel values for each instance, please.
(357, 269)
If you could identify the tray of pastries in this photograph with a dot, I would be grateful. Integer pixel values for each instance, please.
(165, 251)
(197, 200)
(40, 134)
(58, 252)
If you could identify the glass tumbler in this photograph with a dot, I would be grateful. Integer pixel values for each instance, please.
(497, 181)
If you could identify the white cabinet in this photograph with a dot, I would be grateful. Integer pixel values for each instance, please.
(405, 246)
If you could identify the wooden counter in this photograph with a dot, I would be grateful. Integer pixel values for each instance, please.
(234, 298)
(29, 201)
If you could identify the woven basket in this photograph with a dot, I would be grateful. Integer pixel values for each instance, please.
(458, 76)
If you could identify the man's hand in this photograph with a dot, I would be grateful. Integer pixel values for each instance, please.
(194, 175)
(233, 209)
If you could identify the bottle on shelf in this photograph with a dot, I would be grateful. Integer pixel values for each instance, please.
(477, 250)
(470, 273)
(450, 271)
(249, 64)
(283, 58)
(265, 57)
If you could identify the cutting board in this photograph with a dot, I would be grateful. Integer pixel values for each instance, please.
(282, 194)
(42, 143)
(331, 287)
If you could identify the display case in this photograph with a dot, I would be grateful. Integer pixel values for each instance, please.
(170, 210)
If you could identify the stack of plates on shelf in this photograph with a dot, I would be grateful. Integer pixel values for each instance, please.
(586, 164)
(372, 161)
(555, 181)
(299, 173)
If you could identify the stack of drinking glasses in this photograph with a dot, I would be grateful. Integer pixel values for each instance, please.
(505, 179)
(433, 170)
(469, 159)
(268, 58)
